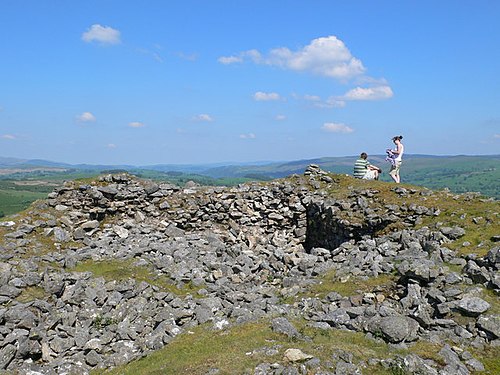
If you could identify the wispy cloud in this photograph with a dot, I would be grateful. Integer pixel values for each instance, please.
(153, 54)
(356, 94)
(111, 145)
(85, 117)
(266, 96)
(280, 118)
(326, 56)
(101, 34)
(8, 136)
(226, 60)
(333, 127)
(136, 124)
(187, 56)
(203, 117)
(497, 136)
(247, 136)
(370, 93)
(331, 102)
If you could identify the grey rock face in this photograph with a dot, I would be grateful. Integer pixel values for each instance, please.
(7, 354)
(473, 305)
(453, 363)
(490, 324)
(395, 328)
(282, 325)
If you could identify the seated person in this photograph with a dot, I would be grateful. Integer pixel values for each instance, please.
(364, 170)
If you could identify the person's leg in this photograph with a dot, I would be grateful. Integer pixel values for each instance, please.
(392, 173)
(369, 175)
(395, 172)
(397, 179)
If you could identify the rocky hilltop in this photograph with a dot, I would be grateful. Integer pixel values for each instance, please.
(105, 272)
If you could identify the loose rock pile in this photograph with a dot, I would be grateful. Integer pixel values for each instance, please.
(244, 249)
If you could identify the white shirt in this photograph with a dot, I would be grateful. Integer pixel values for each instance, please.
(401, 151)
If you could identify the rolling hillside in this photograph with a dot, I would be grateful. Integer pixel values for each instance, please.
(457, 173)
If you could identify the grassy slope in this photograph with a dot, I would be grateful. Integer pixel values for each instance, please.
(13, 201)
(459, 174)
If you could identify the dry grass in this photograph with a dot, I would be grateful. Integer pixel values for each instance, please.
(240, 349)
(115, 269)
(31, 293)
(329, 283)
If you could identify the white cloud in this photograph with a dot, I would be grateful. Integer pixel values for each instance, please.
(266, 96)
(111, 145)
(247, 136)
(496, 136)
(136, 124)
(226, 60)
(326, 56)
(331, 102)
(101, 34)
(252, 54)
(332, 127)
(370, 93)
(203, 118)
(358, 93)
(8, 136)
(280, 117)
(85, 117)
(312, 98)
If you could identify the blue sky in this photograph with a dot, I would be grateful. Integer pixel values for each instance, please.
(153, 82)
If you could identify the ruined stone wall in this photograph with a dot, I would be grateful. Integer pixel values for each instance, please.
(246, 249)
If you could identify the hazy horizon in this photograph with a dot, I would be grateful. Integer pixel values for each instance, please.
(234, 162)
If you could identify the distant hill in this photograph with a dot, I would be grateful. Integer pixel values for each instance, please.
(459, 173)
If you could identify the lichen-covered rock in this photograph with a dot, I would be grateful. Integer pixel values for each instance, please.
(395, 328)
(473, 305)
(490, 324)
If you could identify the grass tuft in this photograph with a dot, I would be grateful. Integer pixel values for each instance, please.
(119, 270)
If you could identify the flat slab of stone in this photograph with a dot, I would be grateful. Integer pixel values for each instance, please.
(473, 306)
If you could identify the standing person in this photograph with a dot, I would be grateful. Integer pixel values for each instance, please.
(363, 169)
(398, 151)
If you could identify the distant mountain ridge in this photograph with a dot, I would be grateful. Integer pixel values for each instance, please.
(459, 173)
(221, 169)
(10, 162)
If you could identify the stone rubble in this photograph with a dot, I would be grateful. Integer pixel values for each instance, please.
(245, 249)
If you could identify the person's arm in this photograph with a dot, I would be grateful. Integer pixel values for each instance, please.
(373, 167)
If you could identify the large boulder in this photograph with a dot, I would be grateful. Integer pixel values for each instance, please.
(394, 328)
